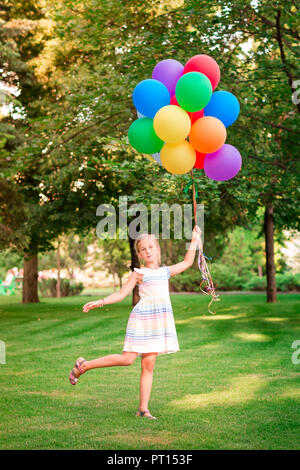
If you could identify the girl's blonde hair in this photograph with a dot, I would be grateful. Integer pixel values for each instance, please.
(145, 235)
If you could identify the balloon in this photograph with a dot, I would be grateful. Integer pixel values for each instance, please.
(178, 158)
(223, 164)
(175, 102)
(205, 64)
(142, 137)
(156, 157)
(199, 160)
(193, 91)
(139, 115)
(197, 115)
(168, 72)
(207, 134)
(172, 124)
(224, 106)
(149, 96)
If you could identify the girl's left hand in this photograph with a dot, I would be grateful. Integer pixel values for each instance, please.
(197, 231)
(89, 306)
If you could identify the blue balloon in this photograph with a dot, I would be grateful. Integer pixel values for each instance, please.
(149, 96)
(224, 106)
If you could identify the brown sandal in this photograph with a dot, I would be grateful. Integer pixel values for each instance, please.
(142, 414)
(77, 366)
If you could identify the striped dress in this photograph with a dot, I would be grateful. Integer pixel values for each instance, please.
(151, 326)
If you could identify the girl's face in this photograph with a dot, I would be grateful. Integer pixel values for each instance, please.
(147, 250)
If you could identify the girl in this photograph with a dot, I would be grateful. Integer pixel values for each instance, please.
(151, 327)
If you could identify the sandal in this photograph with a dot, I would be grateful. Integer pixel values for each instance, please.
(77, 366)
(142, 413)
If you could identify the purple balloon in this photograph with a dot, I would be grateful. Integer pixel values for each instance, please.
(223, 164)
(168, 72)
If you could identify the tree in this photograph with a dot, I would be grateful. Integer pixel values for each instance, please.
(85, 66)
(116, 256)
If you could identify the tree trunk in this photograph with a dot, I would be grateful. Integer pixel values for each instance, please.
(269, 241)
(30, 279)
(260, 271)
(135, 263)
(58, 289)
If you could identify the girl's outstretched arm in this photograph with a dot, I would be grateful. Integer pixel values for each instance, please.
(190, 254)
(116, 296)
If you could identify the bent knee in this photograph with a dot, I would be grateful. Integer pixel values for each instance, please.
(128, 360)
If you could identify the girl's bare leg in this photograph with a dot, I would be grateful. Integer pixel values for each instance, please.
(124, 359)
(148, 362)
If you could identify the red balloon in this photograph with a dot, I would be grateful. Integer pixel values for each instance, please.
(197, 115)
(175, 102)
(199, 163)
(205, 64)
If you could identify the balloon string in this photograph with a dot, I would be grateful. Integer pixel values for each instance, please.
(206, 277)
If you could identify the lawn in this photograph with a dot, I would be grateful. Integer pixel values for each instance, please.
(232, 385)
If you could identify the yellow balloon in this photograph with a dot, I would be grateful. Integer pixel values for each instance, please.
(172, 124)
(178, 158)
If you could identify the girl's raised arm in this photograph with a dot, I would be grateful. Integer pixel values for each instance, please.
(190, 254)
(116, 296)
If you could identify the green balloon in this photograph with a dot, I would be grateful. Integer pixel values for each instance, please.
(143, 138)
(193, 91)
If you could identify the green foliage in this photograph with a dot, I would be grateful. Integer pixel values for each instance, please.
(225, 277)
(116, 257)
(255, 283)
(285, 282)
(9, 259)
(288, 282)
(76, 65)
(47, 287)
(188, 281)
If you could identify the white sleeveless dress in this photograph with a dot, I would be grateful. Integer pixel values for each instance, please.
(151, 326)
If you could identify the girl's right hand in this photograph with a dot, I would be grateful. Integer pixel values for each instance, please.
(90, 305)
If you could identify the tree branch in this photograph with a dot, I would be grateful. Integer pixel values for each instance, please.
(81, 131)
(272, 124)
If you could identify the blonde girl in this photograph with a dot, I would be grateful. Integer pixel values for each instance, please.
(151, 328)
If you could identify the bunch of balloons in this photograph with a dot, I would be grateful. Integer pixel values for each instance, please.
(181, 120)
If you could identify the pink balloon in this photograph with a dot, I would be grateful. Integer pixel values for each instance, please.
(223, 164)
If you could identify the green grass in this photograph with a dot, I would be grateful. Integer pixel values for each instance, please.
(232, 385)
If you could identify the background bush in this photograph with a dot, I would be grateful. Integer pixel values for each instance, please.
(288, 282)
(47, 287)
(225, 279)
(256, 283)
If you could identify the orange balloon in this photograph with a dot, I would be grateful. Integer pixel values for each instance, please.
(207, 134)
